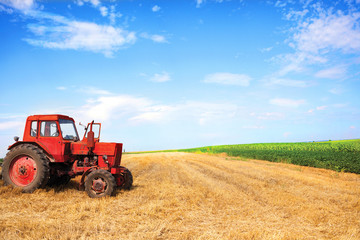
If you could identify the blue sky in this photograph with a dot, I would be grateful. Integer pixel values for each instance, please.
(177, 74)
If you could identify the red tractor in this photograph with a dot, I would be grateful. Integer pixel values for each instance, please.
(51, 153)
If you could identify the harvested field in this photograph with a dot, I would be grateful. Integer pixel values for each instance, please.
(194, 196)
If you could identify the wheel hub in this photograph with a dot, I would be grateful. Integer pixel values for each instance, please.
(98, 185)
(22, 170)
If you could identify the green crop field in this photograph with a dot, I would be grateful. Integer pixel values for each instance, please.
(341, 155)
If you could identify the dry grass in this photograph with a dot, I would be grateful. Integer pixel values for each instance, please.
(191, 196)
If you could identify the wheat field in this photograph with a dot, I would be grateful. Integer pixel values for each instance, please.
(193, 196)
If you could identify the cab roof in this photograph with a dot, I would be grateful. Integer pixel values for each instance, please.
(52, 117)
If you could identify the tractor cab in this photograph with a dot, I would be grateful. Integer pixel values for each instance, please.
(53, 133)
(58, 127)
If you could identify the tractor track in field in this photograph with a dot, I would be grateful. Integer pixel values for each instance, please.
(194, 196)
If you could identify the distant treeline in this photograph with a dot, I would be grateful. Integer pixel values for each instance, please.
(341, 155)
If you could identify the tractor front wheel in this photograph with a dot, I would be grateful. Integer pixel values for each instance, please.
(27, 167)
(100, 183)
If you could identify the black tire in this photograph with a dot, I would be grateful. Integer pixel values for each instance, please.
(16, 170)
(128, 180)
(100, 183)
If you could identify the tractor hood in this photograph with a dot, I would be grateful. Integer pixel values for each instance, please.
(111, 150)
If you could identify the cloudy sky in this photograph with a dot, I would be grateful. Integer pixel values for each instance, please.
(176, 74)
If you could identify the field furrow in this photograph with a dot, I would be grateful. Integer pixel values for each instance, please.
(194, 196)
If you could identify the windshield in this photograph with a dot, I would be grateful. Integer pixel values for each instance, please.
(68, 129)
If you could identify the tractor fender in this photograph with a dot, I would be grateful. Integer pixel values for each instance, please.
(50, 157)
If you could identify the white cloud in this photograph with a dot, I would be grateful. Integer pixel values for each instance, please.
(268, 49)
(156, 38)
(9, 116)
(11, 124)
(337, 90)
(161, 77)
(5, 9)
(114, 15)
(155, 8)
(61, 88)
(22, 5)
(228, 79)
(253, 127)
(204, 112)
(58, 32)
(296, 15)
(285, 102)
(136, 110)
(199, 2)
(318, 34)
(79, 2)
(81, 36)
(108, 107)
(95, 3)
(296, 62)
(152, 114)
(329, 31)
(324, 107)
(332, 73)
(280, 4)
(93, 91)
(320, 108)
(104, 11)
(270, 116)
(287, 82)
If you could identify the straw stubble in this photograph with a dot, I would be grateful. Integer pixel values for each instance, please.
(193, 196)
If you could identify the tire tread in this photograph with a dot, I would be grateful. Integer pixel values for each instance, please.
(27, 149)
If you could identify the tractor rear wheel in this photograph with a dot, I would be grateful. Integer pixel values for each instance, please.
(27, 167)
(100, 183)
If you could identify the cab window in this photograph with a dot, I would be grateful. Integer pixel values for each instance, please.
(49, 129)
(68, 129)
(95, 129)
(33, 130)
